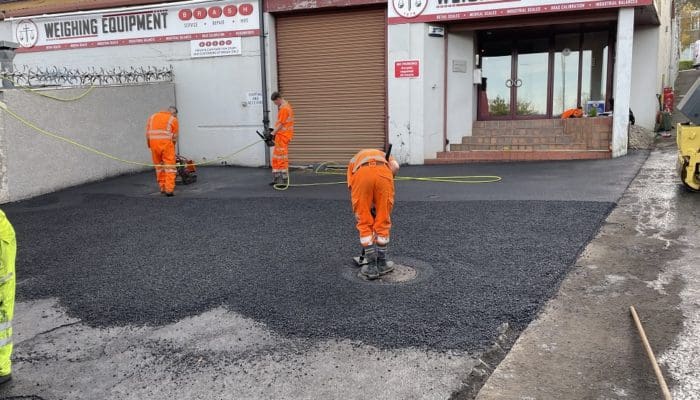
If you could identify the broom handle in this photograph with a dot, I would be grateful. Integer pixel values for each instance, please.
(650, 354)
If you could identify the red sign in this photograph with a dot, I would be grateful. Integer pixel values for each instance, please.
(407, 69)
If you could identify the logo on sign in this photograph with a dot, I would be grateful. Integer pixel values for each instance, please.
(409, 8)
(27, 33)
(215, 12)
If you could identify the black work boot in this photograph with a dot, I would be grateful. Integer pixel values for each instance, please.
(382, 266)
(5, 378)
(276, 179)
(370, 270)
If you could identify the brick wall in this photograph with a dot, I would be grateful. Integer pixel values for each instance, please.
(596, 133)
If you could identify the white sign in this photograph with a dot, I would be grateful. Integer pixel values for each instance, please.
(255, 99)
(409, 11)
(230, 46)
(192, 22)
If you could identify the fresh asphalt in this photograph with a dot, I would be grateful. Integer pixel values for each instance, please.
(118, 254)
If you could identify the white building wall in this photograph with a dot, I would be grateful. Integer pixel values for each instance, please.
(461, 92)
(666, 67)
(210, 92)
(623, 80)
(416, 105)
(110, 119)
(646, 77)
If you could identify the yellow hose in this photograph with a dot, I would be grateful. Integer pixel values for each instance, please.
(466, 179)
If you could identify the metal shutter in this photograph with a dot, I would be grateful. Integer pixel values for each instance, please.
(331, 68)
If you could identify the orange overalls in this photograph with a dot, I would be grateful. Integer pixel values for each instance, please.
(371, 182)
(161, 134)
(284, 131)
(572, 113)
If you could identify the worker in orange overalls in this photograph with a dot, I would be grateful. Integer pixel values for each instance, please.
(283, 131)
(371, 184)
(161, 136)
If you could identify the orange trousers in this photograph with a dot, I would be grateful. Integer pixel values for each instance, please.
(163, 153)
(280, 154)
(373, 185)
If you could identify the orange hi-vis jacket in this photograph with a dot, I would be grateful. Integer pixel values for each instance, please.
(285, 121)
(162, 126)
(284, 131)
(371, 183)
(161, 134)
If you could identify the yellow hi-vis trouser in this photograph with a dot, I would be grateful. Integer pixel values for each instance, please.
(8, 251)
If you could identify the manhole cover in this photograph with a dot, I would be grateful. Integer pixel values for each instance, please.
(401, 273)
(405, 271)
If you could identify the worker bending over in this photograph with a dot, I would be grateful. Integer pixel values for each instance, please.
(161, 136)
(371, 184)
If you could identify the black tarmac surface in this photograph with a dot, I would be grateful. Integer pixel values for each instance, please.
(116, 253)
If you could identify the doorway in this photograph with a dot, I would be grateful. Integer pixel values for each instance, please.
(539, 74)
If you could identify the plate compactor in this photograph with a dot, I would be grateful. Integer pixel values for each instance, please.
(688, 139)
(186, 170)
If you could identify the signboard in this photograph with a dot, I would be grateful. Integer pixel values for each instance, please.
(254, 99)
(208, 20)
(407, 69)
(408, 11)
(230, 46)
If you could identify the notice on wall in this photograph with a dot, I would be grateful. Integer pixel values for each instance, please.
(407, 69)
(459, 66)
(221, 47)
(139, 25)
(254, 99)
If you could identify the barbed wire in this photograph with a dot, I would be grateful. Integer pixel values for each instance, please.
(26, 76)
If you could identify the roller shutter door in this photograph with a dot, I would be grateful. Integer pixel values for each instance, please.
(331, 68)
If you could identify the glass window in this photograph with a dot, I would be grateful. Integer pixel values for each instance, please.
(566, 59)
(595, 68)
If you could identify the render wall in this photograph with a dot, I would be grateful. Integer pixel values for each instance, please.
(215, 118)
(416, 105)
(646, 77)
(461, 92)
(110, 119)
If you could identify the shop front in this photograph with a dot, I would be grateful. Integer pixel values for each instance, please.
(495, 77)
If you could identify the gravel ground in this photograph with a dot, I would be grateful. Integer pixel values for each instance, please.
(116, 261)
(641, 138)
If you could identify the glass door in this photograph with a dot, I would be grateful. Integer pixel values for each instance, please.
(531, 78)
(517, 78)
(497, 88)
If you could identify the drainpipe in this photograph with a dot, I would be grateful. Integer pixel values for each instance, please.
(263, 74)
